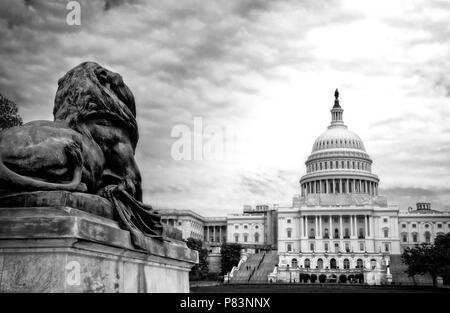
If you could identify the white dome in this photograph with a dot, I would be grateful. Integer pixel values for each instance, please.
(338, 137)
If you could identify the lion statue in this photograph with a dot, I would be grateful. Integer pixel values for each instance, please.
(89, 147)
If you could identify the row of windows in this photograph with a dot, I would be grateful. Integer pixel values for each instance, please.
(332, 264)
(426, 226)
(318, 166)
(336, 247)
(338, 143)
(245, 237)
(236, 226)
(414, 237)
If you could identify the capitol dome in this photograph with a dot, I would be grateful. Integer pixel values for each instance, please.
(339, 163)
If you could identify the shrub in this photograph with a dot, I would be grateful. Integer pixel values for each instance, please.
(351, 278)
(343, 279)
(306, 277)
(230, 256)
(198, 271)
(313, 278)
(322, 278)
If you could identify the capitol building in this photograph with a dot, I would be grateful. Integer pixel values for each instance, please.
(338, 228)
(339, 222)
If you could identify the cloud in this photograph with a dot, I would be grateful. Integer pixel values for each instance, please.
(263, 70)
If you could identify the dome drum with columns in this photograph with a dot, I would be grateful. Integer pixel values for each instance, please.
(339, 163)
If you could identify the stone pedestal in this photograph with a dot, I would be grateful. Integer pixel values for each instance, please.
(62, 249)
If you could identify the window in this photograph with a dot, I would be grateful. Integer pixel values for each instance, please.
(336, 247)
(373, 264)
(326, 246)
(386, 247)
(361, 246)
(336, 233)
(403, 225)
(288, 221)
(236, 238)
(439, 225)
(427, 237)
(413, 225)
(294, 263)
(245, 226)
(359, 263)
(320, 264)
(361, 233)
(256, 237)
(245, 238)
(347, 233)
(179, 223)
(426, 225)
(333, 263)
(236, 226)
(326, 233)
(347, 247)
(312, 233)
(289, 247)
(404, 237)
(385, 220)
(311, 246)
(346, 264)
(289, 232)
(414, 237)
(386, 232)
(307, 263)
(256, 227)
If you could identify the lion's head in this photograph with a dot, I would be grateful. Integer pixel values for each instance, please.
(89, 90)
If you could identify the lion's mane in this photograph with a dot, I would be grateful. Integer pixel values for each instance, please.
(88, 91)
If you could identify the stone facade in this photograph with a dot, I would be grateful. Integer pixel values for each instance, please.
(47, 247)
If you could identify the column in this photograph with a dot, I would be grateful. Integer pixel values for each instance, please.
(316, 229)
(214, 233)
(300, 226)
(220, 233)
(365, 227)
(330, 228)
(351, 226)
(207, 233)
(319, 223)
(370, 230)
(304, 226)
(341, 233)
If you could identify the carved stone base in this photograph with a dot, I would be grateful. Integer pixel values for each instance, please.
(61, 249)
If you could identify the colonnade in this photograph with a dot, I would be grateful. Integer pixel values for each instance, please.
(216, 232)
(340, 185)
(321, 223)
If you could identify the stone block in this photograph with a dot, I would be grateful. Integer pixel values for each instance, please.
(62, 249)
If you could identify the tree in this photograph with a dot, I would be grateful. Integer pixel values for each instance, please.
(433, 259)
(9, 115)
(322, 278)
(198, 271)
(343, 278)
(230, 256)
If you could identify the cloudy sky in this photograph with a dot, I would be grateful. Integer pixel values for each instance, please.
(262, 72)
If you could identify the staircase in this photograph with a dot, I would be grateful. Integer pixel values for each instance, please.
(266, 267)
(399, 277)
(243, 275)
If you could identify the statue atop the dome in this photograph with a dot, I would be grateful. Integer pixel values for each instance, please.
(336, 99)
(88, 148)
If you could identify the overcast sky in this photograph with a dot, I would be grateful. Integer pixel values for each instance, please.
(264, 72)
